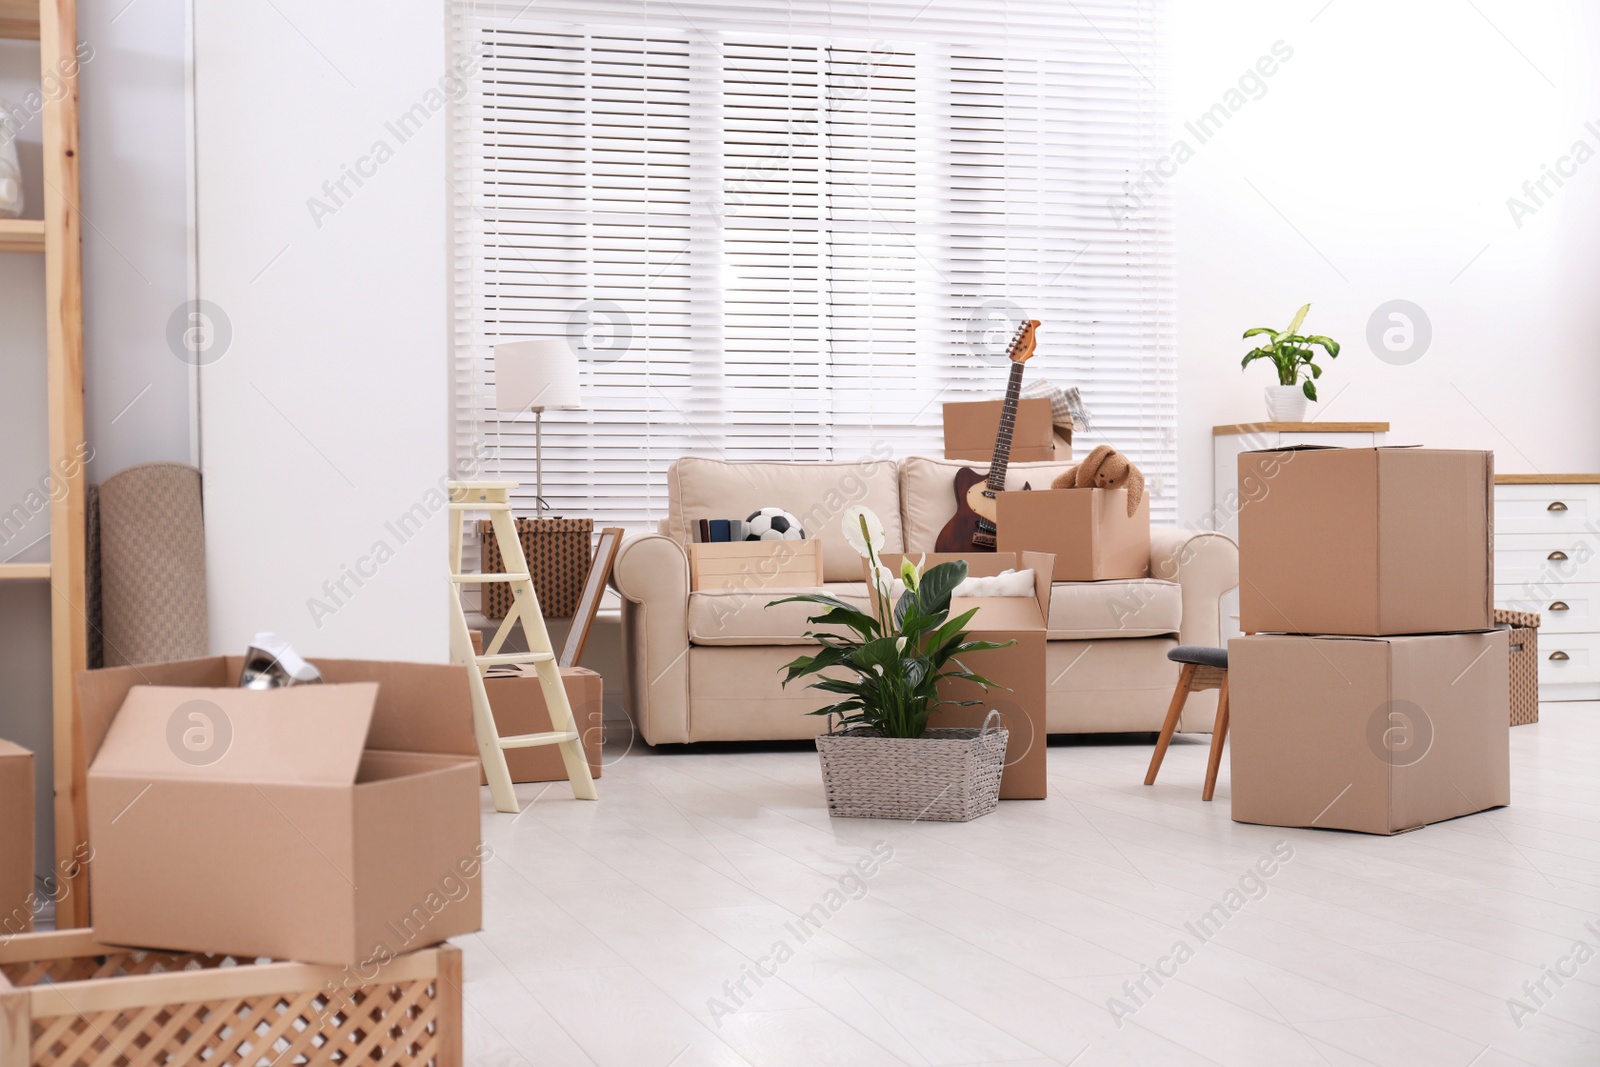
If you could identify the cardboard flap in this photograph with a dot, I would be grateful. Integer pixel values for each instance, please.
(309, 735)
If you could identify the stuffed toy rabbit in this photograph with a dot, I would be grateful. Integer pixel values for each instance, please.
(1106, 468)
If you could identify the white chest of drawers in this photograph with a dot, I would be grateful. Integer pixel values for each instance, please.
(1547, 559)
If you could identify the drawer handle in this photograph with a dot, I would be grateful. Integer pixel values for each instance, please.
(1557, 555)
(1560, 657)
(1557, 506)
(1560, 605)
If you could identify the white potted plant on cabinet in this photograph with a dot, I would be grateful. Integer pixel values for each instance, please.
(1291, 353)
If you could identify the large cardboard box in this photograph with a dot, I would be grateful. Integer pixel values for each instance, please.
(1377, 734)
(1089, 531)
(1020, 668)
(332, 824)
(519, 708)
(1367, 541)
(16, 840)
(970, 428)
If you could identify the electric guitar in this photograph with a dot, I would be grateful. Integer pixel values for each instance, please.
(973, 526)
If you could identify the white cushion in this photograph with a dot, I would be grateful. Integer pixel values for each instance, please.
(815, 493)
(1127, 607)
(741, 618)
(928, 493)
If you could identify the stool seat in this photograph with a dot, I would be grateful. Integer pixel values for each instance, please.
(1200, 656)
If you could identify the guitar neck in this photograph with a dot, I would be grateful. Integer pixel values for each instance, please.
(1008, 422)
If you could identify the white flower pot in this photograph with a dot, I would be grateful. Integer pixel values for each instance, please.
(1286, 403)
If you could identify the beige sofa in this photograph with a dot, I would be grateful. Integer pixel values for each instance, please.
(704, 666)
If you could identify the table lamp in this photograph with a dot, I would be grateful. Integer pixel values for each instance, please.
(534, 375)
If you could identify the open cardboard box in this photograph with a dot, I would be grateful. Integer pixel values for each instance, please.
(1377, 734)
(1366, 541)
(16, 840)
(1019, 668)
(331, 824)
(970, 428)
(517, 701)
(1089, 531)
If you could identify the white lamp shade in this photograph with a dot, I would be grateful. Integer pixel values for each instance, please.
(536, 374)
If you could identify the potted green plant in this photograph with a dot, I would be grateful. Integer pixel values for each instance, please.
(1291, 352)
(886, 666)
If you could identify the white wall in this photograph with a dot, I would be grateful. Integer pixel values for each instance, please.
(1382, 154)
(324, 420)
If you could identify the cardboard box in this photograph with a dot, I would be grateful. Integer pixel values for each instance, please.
(1523, 627)
(519, 708)
(16, 840)
(745, 566)
(1366, 541)
(327, 823)
(1088, 530)
(1377, 734)
(970, 428)
(1019, 668)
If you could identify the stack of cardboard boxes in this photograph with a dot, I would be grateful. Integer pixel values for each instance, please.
(1372, 691)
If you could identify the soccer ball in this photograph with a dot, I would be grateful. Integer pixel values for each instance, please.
(773, 524)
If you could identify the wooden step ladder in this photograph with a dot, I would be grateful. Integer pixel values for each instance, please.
(495, 499)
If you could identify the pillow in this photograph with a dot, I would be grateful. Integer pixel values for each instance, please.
(1006, 583)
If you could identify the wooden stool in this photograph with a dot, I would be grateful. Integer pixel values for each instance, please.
(1203, 668)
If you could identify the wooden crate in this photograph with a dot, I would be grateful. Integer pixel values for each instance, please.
(68, 1001)
(742, 566)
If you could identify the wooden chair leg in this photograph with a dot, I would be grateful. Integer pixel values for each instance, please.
(1219, 737)
(1179, 696)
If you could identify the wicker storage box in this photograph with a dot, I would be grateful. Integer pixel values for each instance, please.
(67, 1001)
(1524, 627)
(946, 775)
(559, 552)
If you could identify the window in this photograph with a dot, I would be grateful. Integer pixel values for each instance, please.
(794, 231)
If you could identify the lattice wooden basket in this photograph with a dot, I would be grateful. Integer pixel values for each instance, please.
(68, 1001)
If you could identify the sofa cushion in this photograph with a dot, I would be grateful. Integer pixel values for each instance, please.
(815, 493)
(927, 493)
(740, 618)
(1130, 607)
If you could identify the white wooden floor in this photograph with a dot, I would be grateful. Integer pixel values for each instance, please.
(619, 933)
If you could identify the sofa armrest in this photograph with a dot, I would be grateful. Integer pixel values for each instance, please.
(651, 573)
(1206, 566)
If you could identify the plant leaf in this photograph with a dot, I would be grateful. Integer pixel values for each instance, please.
(933, 592)
(1309, 389)
(1299, 317)
(1258, 329)
(1326, 342)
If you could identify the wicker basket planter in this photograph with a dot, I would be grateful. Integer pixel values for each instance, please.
(946, 775)
(68, 1001)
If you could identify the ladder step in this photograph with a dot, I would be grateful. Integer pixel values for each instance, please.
(514, 657)
(556, 737)
(482, 505)
(491, 577)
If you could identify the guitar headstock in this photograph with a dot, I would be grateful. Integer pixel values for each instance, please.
(1022, 342)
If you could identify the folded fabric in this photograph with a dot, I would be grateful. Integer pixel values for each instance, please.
(1066, 405)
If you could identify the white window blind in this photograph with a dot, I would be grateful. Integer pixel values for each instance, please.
(793, 231)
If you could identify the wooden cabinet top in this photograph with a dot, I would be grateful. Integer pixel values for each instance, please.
(1547, 479)
(1300, 427)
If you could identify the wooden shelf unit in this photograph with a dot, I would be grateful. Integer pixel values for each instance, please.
(59, 236)
(19, 19)
(21, 235)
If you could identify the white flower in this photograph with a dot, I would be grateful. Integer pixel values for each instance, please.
(863, 530)
(900, 644)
